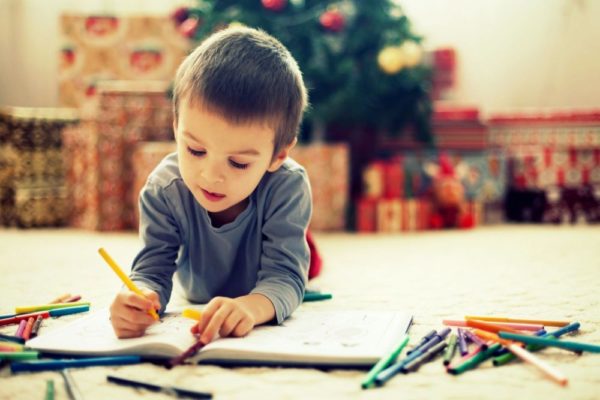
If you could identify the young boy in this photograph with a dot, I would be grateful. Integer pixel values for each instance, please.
(228, 211)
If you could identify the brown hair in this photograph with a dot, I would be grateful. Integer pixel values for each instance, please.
(245, 75)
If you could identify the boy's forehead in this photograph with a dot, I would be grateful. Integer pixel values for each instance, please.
(200, 109)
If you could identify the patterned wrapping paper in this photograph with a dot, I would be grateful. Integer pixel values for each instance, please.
(146, 156)
(100, 153)
(108, 47)
(33, 186)
(328, 167)
(7, 167)
(392, 215)
(561, 148)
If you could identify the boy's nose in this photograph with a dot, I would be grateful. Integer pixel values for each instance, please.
(212, 174)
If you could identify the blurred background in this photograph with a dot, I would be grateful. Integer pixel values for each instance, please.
(425, 114)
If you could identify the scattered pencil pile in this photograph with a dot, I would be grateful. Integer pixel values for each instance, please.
(480, 338)
(29, 320)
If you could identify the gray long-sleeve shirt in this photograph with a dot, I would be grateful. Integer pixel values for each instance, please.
(263, 250)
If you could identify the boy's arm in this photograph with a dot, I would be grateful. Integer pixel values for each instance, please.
(154, 266)
(285, 256)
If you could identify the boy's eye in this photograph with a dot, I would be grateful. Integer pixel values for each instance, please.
(238, 165)
(196, 153)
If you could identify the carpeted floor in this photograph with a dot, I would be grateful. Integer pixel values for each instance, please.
(532, 271)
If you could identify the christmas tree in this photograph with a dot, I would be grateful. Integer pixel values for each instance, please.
(361, 61)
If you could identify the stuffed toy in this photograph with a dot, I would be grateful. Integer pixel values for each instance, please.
(449, 208)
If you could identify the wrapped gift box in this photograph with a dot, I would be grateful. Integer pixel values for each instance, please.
(32, 170)
(100, 152)
(328, 168)
(545, 149)
(115, 47)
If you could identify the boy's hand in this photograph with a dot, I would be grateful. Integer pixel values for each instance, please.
(129, 313)
(233, 317)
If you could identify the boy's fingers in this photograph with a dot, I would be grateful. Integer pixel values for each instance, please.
(243, 328)
(207, 314)
(230, 323)
(153, 297)
(215, 324)
(136, 301)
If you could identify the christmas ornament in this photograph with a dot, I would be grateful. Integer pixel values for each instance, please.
(180, 15)
(235, 24)
(411, 53)
(274, 5)
(188, 27)
(391, 59)
(332, 20)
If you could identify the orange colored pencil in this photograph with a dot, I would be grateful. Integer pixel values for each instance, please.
(490, 327)
(544, 322)
(28, 327)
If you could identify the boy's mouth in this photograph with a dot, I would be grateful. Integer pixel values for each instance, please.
(211, 196)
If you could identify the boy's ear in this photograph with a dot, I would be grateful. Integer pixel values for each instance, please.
(280, 158)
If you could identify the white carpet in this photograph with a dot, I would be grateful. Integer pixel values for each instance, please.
(531, 271)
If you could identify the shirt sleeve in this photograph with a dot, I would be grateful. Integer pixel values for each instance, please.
(285, 257)
(154, 265)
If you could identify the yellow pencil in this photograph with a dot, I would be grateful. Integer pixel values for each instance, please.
(518, 320)
(45, 307)
(128, 282)
(192, 314)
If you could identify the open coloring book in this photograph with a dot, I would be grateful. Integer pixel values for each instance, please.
(326, 338)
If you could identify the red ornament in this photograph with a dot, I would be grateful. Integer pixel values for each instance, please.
(274, 5)
(188, 27)
(333, 20)
(180, 15)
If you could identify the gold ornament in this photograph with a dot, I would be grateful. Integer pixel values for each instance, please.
(236, 24)
(391, 59)
(412, 53)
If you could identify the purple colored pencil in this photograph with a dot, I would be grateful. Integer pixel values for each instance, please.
(475, 339)
(462, 342)
(180, 359)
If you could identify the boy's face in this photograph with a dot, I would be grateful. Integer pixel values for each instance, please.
(222, 163)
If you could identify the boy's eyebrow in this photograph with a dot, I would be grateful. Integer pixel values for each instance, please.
(247, 152)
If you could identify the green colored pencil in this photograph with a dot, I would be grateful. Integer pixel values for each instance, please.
(475, 360)
(19, 355)
(383, 363)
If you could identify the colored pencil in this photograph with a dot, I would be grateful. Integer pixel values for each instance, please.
(451, 349)
(473, 361)
(49, 389)
(526, 356)
(505, 358)
(383, 363)
(544, 322)
(520, 327)
(488, 326)
(57, 364)
(18, 355)
(47, 307)
(28, 327)
(191, 314)
(128, 282)
(549, 342)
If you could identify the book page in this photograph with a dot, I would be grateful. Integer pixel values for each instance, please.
(335, 337)
(94, 335)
